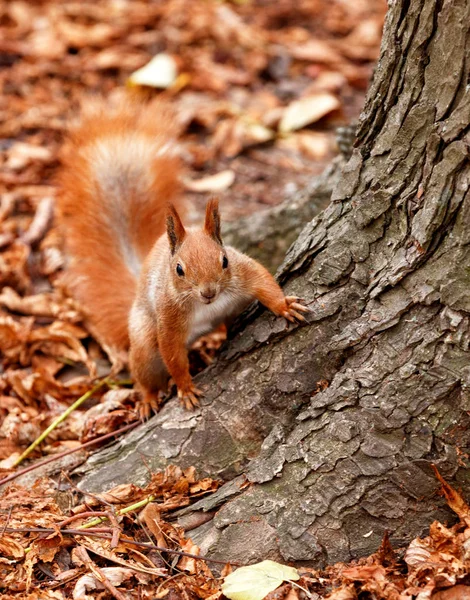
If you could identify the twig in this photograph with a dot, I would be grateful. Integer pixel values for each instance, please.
(116, 530)
(166, 581)
(120, 513)
(67, 452)
(59, 420)
(309, 595)
(7, 521)
(83, 515)
(98, 573)
(73, 576)
(109, 536)
(149, 537)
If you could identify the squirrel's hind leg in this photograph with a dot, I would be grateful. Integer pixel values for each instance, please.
(148, 370)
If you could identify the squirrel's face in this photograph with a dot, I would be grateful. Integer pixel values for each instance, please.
(200, 267)
(199, 264)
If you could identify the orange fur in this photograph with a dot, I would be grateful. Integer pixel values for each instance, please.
(118, 174)
(190, 284)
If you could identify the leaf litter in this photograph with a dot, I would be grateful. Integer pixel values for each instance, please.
(58, 542)
(260, 89)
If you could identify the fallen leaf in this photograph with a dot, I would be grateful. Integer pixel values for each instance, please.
(213, 183)
(115, 575)
(307, 110)
(160, 72)
(315, 51)
(46, 305)
(21, 154)
(313, 144)
(256, 581)
(46, 548)
(344, 593)
(10, 547)
(293, 594)
(233, 135)
(454, 499)
(364, 572)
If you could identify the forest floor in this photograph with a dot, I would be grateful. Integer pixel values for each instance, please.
(259, 88)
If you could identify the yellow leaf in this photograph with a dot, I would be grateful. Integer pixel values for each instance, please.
(256, 581)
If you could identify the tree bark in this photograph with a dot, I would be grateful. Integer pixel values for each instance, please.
(267, 235)
(332, 427)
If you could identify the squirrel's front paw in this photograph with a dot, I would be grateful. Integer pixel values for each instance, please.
(291, 309)
(148, 405)
(189, 396)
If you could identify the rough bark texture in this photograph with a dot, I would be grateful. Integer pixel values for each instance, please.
(386, 268)
(267, 235)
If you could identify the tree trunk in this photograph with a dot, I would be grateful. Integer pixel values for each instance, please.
(267, 235)
(336, 423)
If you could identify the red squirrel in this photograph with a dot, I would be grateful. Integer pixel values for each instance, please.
(119, 192)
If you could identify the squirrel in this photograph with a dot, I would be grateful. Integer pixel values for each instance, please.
(144, 280)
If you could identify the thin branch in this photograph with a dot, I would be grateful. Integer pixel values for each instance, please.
(83, 515)
(119, 513)
(7, 521)
(46, 461)
(98, 573)
(58, 421)
(109, 536)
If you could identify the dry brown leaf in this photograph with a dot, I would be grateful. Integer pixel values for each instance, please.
(41, 222)
(454, 499)
(293, 594)
(327, 81)
(307, 110)
(362, 42)
(44, 305)
(364, 572)
(314, 145)
(346, 592)
(151, 517)
(186, 563)
(315, 51)
(45, 548)
(10, 548)
(22, 154)
(233, 135)
(75, 34)
(13, 266)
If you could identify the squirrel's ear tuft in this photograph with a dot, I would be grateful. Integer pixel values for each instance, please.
(212, 222)
(174, 228)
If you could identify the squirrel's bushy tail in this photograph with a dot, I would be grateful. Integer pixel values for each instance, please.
(119, 171)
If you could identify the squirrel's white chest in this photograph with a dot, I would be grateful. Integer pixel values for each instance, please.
(206, 317)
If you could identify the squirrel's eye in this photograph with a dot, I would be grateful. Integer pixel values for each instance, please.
(179, 270)
(224, 262)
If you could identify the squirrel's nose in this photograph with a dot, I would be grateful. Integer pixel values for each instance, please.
(208, 292)
(208, 295)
